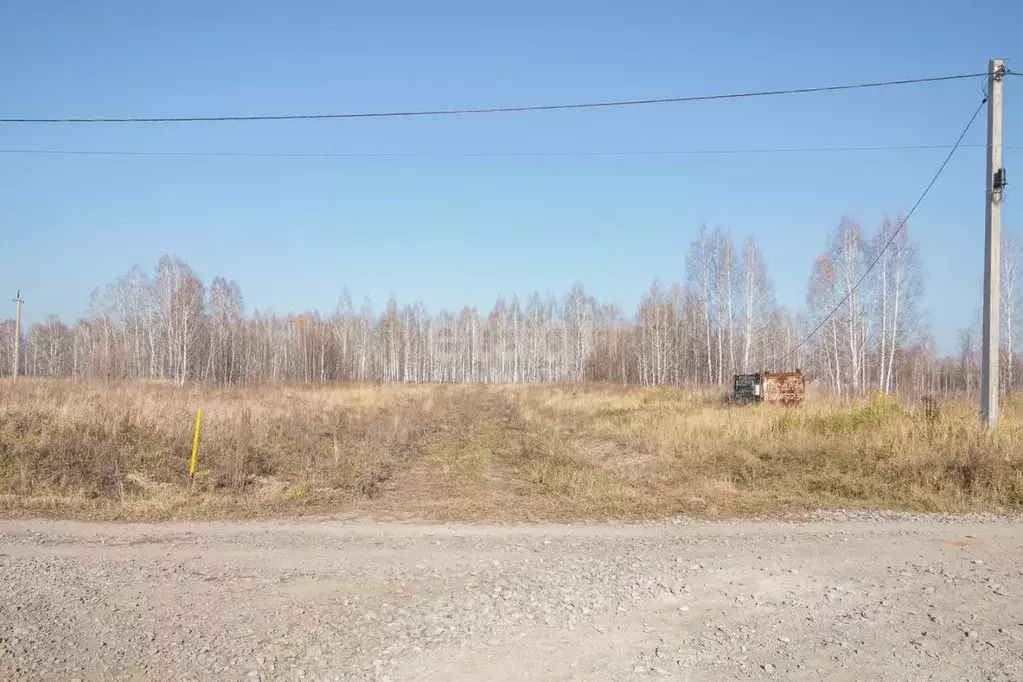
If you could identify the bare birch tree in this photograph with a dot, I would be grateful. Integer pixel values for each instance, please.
(1010, 306)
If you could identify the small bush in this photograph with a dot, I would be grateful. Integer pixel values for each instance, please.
(788, 421)
(203, 480)
(298, 492)
(876, 414)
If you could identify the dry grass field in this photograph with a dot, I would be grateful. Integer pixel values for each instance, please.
(497, 453)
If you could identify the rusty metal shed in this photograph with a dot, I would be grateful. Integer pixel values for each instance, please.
(782, 388)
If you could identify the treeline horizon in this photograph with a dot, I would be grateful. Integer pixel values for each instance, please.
(721, 319)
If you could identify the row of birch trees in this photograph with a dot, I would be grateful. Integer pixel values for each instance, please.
(168, 324)
(722, 318)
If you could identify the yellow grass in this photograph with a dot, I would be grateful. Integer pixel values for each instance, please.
(496, 453)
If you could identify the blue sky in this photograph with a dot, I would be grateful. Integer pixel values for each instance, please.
(453, 230)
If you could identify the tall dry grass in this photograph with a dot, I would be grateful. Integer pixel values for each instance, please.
(495, 453)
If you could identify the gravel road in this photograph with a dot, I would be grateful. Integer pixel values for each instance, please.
(838, 597)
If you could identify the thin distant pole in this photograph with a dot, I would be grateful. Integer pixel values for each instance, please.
(17, 333)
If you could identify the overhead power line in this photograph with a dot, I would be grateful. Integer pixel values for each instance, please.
(528, 154)
(497, 110)
(898, 229)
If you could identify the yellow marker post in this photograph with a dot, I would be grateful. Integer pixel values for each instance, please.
(195, 443)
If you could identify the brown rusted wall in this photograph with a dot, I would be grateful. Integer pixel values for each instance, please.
(785, 388)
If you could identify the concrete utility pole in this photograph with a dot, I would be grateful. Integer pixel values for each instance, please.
(994, 184)
(17, 333)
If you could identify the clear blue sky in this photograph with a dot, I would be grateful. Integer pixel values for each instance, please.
(295, 231)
